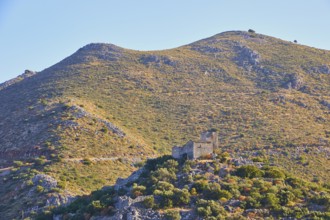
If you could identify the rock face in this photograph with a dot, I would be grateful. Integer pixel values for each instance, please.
(122, 182)
(294, 82)
(47, 182)
(131, 209)
(58, 200)
(246, 57)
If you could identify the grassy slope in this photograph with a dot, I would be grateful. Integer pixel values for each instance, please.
(163, 98)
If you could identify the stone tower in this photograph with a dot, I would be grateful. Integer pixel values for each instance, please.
(210, 136)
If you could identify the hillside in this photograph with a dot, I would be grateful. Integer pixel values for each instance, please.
(223, 188)
(96, 115)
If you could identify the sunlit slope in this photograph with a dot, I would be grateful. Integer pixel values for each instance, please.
(111, 107)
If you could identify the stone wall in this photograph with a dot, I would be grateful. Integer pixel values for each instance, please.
(202, 149)
(187, 149)
(210, 136)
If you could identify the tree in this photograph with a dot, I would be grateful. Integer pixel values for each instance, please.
(251, 31)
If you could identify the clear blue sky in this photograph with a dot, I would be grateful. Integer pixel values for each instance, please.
(35, 34)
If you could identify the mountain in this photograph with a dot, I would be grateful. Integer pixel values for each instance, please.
(98, 114)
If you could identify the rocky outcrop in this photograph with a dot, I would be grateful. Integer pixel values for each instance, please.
(246, 57)
(157, 60)
(207, 49)
(323, 69)
(25, 75)
(79, 112)
(57, 200)
(122, 182)
(325, 103)
(47, 182)
(131, 209)
(294, 82)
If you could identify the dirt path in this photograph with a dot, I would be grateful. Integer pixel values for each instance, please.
(5, 171)
(94, 159)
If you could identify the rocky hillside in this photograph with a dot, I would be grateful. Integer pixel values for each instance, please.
(98, 114)
(224, 188)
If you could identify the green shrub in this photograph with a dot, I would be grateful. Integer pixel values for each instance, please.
(249, 171)
(204, 211)
(149, 202)
(207, 208)
(200, 185)
(18, 163)
(39, 161)
(181, 197)
(270, 200)
(87, 161)
(285, 197)
(104, 130)
(40, 189)
(213, 191)
(95, 207)
(138, 190)
(172, 215)
(162, 174)
(274, 173)
(171, 165)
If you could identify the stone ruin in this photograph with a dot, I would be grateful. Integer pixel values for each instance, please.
(196, 149)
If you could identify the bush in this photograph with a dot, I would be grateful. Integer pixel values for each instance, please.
(207, 208)
(270, 200)
(251, 31)
(171, 165)
(153, 164)
(204, 211)
(181, 197)
(138, 190)
(87, 161)
(214, 192)
(149, 202)
(274, 173)
(200, 185)
(95, 206)
(18, 163)
(172, 215)
(163, 174)
(40, 189)
(252, 203)
(39, 161)
(249, 171)
(104, 130)
(285, 197)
